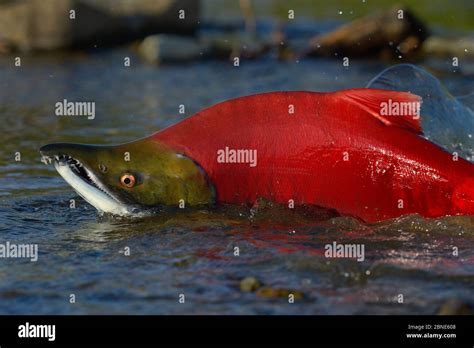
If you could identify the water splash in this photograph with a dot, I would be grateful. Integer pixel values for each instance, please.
(446, 120)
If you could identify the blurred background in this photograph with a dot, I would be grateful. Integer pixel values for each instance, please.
(147, 64)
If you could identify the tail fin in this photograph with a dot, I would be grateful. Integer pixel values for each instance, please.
(446, 120)
(467, 100)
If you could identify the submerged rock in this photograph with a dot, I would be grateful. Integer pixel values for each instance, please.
(385, 34)
(56, 24)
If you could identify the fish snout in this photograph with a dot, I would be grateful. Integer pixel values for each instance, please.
(49, 151)
(63, 152)
(57, 149)
(56, 153)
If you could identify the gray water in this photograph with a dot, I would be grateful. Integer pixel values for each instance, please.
(193, 253)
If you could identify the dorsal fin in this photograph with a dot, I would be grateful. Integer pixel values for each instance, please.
(400, 109)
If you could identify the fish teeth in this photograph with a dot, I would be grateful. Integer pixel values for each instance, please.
(45, 159)
(96, 183)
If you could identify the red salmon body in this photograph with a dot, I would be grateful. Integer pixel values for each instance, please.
(334, 150)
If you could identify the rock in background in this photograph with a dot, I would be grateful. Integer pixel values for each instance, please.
(438, 46)
(39, 25)
(382, 34)
(170, 48)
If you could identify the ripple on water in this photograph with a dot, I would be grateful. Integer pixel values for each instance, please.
(194, 253)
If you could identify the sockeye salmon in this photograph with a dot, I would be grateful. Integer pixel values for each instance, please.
(355, 151)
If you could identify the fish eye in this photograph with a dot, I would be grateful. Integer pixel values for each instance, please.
(103, 168)
(128, 180)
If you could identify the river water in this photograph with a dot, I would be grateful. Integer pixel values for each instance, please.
(194, 253)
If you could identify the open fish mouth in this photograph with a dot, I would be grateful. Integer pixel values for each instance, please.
(88, 185)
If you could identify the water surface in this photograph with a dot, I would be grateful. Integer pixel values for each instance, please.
(193, 253)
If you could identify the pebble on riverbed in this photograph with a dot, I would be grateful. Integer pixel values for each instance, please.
(252, 284)
(269, 292)
(249, 284)
(455, 307)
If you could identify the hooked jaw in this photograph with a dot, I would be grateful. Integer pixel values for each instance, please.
(132, 179)
(83, 180)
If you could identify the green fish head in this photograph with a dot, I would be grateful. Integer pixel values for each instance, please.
(128, 179)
